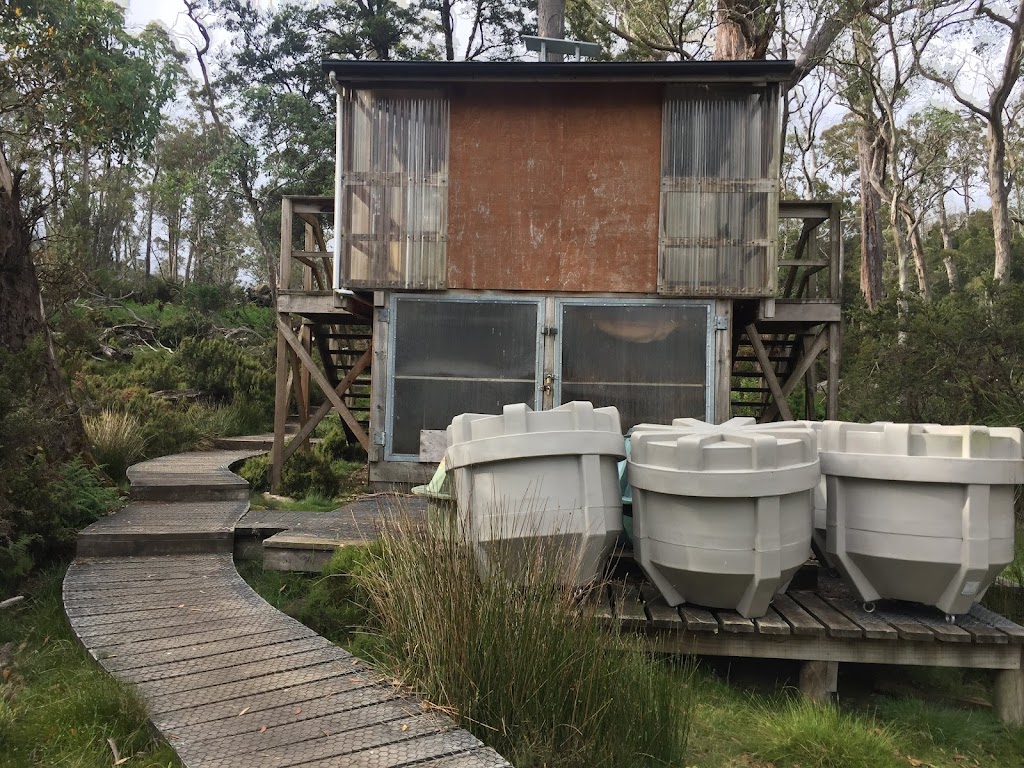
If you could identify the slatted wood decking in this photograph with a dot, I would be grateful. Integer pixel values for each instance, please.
(230, 681)
(824, 627)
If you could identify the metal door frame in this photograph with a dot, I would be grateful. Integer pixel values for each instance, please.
(709, 342)
(396, 298)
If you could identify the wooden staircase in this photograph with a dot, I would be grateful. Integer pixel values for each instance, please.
(776, 342)
(751, 394)
(342, 344)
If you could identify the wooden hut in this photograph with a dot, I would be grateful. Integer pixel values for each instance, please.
(547, 232)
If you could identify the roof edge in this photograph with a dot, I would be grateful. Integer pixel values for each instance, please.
(368, 74)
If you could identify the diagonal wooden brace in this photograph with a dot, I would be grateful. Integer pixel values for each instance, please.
(778, 397)
(321, 381)
(318, 416)
(806, 361)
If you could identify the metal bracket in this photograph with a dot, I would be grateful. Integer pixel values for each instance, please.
(383, 315)
(550, 330)
(378, 438)
(721, 323)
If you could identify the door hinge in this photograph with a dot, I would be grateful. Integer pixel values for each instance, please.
(721, 323)
(383, 315)
(378, 438)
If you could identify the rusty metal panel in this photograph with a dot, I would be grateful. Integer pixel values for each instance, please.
(554, 187)
(395, 190)
(719, 191)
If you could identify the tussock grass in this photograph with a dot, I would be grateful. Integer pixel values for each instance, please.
(57, 706)
(116, 440)
(522, 665)
(809, 735)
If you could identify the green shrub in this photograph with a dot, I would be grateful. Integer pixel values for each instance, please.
(256, 472)
(205, 297)
(306, 472)
(116, 441)
(49, 504)
(226, 372)
(155, 370)
(175, 330)
(955, 360)
(168, 429)
(523, 667)
(334, 442)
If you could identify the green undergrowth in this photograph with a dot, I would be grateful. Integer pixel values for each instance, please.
(311, 503)
(742, 725)
(332, 603)
(491, 666)
(57, 706)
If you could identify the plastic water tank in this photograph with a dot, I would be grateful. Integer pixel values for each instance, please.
(541, 484)
(921, 512)
(722, 514)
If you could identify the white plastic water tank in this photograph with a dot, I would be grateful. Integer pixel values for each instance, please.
(722, 514)
(921, 512)
(539, 484)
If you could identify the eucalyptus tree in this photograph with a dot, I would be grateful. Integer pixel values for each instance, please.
(71, 77)
(983, 81)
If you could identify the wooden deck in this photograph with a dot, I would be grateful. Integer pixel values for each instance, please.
(825, 627)
(229, 680)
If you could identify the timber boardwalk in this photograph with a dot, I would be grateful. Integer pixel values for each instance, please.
(228, 680)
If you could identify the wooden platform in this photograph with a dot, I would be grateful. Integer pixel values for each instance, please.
(825, 627)
(229, 680)
(306, 541)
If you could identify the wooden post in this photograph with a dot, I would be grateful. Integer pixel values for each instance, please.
(835, 341)
(819, 679)
(280, 413)
(283, 363)
(810, 385)
(306, 332)
(1009, 694)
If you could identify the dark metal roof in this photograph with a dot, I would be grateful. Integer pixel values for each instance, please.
(376, 74)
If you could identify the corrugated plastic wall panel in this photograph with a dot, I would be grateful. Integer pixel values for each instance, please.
(395, 199)
(719, 192)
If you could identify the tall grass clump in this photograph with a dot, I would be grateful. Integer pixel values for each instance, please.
(522, 663)
(116, 440)
(812, 735)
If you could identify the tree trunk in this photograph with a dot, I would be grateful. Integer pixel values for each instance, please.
(551, 22)
(1000, 201)
(902, 262)
(947, 245)
(149, 221)
(448, 29)
(917, 249)
(23, 322)
(871, 247)
(744, 29)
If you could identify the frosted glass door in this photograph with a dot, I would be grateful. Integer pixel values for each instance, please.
(649, 359)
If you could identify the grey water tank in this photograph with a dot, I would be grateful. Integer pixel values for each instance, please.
(921, 512)
(539, 485)
(722, 514)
